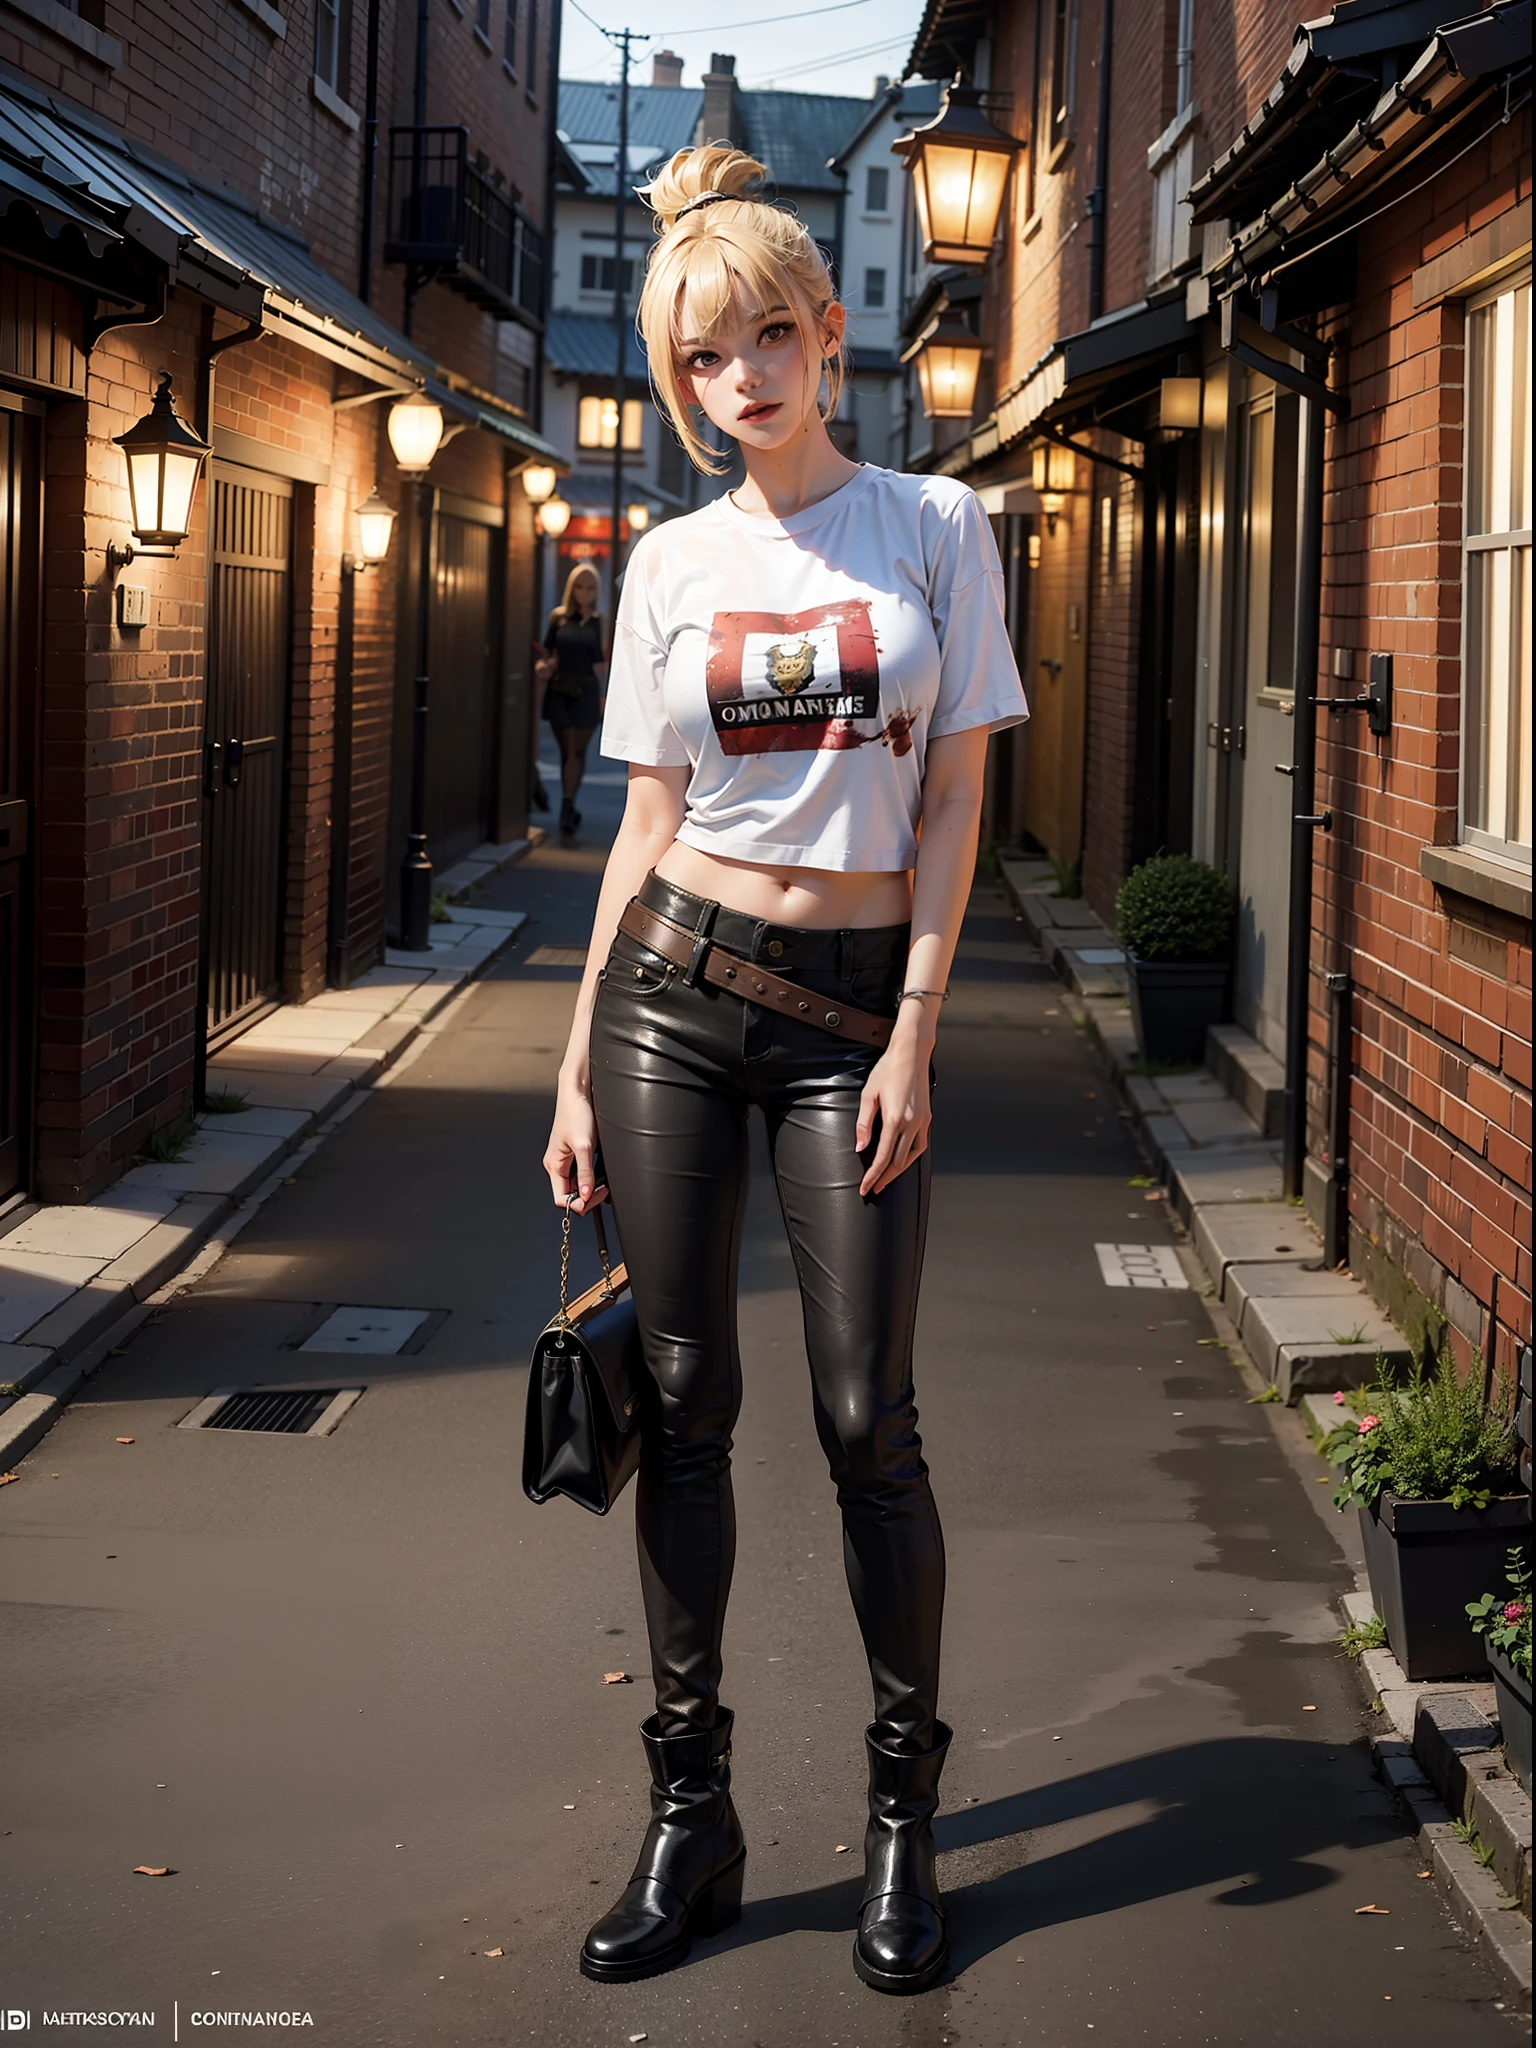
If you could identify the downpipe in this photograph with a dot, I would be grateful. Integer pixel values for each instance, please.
(1304, 821)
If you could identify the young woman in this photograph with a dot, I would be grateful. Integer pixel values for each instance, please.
(804, 676)
(573, 694)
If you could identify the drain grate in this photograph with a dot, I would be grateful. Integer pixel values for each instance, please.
(273, 1411)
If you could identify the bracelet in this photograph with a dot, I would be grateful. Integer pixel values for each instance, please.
(941, 993)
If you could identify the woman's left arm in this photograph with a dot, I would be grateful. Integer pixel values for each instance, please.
(897, 1088)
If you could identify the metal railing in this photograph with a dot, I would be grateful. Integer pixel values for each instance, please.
(449, 220)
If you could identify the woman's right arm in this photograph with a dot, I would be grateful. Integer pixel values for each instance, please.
(652, 813)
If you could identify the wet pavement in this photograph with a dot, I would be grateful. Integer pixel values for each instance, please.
(350, 1690)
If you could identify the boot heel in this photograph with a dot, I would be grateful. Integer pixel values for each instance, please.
(720, 1906)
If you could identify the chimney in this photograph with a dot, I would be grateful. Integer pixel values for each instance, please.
(882, 84)
(721, 119)
(666, 68)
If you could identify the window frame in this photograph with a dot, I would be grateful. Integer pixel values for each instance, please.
(509, 40)
(338, 13)
(877, 301)
(1481, 437)
(633, 418)
(871, 173)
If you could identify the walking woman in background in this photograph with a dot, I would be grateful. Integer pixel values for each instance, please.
(573, 694)
(804, 676)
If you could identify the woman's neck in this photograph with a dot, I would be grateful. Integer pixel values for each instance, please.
(783, 481)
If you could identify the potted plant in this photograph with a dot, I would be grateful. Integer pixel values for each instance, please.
(1503, 1620)
(1174, 916)
(1431, 1467)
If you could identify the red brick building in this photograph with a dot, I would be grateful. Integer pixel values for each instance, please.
(1270, 282)
(208, 752)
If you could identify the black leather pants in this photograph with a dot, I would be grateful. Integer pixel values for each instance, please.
(675, 1070)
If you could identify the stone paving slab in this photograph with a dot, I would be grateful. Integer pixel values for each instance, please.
(1259, 1282)
(1233, 1233)
(314, 1094)
(1249, 1175)
(1219, 1123)
(32, 1284)
(83, 1230)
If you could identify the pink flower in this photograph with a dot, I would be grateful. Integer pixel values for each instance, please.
(1338, 1400)
(1368, 1423)
(1513, 1610)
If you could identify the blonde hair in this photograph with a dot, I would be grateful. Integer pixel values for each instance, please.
(563, 613)
(734, 252)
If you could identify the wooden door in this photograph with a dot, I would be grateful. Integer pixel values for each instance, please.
(461, 723)
(20, 522)
(245, 749)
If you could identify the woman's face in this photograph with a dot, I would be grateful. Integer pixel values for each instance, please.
(752, 379)
(584, 590)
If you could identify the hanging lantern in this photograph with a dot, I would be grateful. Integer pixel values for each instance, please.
(554, 516)
(538, 482)
(375, 524)
(415, 432)
(164, 459)
(948, 358)
(959, 163)
(639, 517)
(1054, 474)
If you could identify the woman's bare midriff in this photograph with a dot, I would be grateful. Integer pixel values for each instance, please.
(820, 899)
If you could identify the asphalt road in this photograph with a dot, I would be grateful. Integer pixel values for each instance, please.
(350, 1690)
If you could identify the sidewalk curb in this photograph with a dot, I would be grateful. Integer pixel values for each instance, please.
(64, 1347)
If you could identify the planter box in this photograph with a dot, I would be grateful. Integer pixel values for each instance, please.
(1174, 1003)
(1428, 1562)
(1514, 1715)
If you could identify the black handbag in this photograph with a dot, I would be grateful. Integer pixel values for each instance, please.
(581, 1436)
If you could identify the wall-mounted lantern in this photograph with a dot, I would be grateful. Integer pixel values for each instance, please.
(639, 517)
(164, 460)
(1179, 403)
(554, 516)
(375, 524)
(415, 432)
(538, 482)
(948, 358)
(1054, 474)
(959, 163)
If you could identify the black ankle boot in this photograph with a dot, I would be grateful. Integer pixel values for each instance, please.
(570, 817)
(901, 1943)
(687, 1883)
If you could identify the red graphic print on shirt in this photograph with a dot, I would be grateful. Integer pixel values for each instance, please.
(793, 682)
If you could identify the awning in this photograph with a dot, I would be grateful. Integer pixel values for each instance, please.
(215, 245)
(1070, 372)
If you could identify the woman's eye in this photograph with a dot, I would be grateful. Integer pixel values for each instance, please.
(774, 333)
(703, 359)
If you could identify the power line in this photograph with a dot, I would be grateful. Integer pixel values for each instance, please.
(759, 21)
(842, 57)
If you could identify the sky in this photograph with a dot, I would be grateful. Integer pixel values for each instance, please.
(834, 46)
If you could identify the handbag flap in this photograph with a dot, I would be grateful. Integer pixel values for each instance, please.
(602, 1326)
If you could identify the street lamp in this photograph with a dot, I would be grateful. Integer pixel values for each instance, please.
(948, 358)
(164, 460)
(553, 516)
(375, 524)
(959, 163)
(639, 517)
(416, 434)
(1054, 474)
(538, 482)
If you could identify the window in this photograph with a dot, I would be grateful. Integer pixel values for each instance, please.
(874, 290)
(333, 45)
(509, 41)
(530, 75)
(597, 274)
(1496, 573)
(1270, 455)
(877, 189)
(483, 19)
(1059, 80)
(597, 421)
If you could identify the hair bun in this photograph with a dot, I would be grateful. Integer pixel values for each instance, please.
(688, 173)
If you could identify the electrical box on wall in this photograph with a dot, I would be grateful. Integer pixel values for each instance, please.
(132, 605)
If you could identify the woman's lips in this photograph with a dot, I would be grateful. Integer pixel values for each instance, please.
(753, 413)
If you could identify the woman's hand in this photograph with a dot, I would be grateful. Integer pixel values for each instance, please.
(897, 1092)
(569, 1157)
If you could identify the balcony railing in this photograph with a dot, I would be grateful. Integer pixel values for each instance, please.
(448, 221)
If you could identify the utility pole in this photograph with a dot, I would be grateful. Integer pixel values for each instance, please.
(620, 313)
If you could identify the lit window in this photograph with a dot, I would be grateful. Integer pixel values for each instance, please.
(333, 38)
(874, 289)
(1496, 567)
(877, 189)
(597, 422)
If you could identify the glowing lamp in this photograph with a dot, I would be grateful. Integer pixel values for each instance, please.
(1054, 474)
(164, 460)
(959, 164)
(375, 524)
(1179, 402)
(415, 432)
(948, 358)
(554, 516)
(639, 517)
(538, 482)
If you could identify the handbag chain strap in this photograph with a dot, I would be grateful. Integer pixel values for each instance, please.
(564, 1317)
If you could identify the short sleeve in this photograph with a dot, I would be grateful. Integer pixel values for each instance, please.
(635, 723)
(978, 675)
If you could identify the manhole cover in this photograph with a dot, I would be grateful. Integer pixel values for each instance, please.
(273, 1411)
(378, 1332)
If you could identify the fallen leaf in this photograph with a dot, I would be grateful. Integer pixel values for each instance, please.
(152, 1870)
(122, 1439)
(495, 1951)
(1423, 1873)
(616, 1678)
(7, 1477)
(841, 1849)
(1151, 1326)
(1373, 1909)
(1309, 1710)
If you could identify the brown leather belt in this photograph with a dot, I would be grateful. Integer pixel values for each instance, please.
(744, 978)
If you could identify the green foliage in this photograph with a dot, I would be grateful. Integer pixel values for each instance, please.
(225, 1102)
(168, 1147)
(1068, 873)
(1270, 1393)
(1503, 1620)
(441, 914)
(1466, 1832)
(1435, 1438)
(1361, 1636)
(1175, 907)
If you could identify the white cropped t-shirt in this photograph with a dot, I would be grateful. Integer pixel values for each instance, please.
(799, 667)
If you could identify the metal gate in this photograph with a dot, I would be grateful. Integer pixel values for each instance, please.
(245, 737)
(20, 499)
(460, 728)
